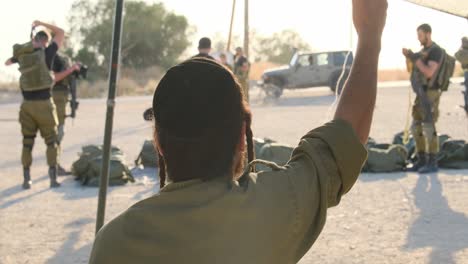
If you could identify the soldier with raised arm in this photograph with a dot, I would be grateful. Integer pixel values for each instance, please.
(38, 112)
(212, 209)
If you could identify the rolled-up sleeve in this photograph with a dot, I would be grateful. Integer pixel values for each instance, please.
(324, 167)
(335, 155)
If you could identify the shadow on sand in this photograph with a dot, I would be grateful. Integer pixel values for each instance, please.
(371, 177)
(294, 101)
(68, 253)
(437, 226)
(18, 189)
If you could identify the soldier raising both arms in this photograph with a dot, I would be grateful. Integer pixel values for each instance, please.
(37, 112)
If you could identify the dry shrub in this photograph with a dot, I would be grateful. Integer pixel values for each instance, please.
(96, 89)
(257, 69)
(393, 75)
(142, 77)
(9, 86)
(131, 83)
(403, 75)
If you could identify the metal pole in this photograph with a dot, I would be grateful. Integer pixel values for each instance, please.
(228, 48)
(114, 68)
(246, 29)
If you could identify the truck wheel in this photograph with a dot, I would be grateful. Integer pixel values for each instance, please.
(273, 91)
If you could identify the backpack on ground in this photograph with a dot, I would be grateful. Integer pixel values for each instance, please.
(267, 149)
(386, 158)
(87, 169)
(453, 155)
(148, 157)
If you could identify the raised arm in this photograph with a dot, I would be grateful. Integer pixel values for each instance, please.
(357, 101)
(62, 75)
(59, 34)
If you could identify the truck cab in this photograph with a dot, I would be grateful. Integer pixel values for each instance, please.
(307, 70)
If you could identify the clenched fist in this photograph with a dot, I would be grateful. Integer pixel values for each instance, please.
(369, 17)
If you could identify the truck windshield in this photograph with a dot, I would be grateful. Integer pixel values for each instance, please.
(293, 61)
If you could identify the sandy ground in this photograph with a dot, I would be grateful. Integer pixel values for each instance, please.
(386, 218)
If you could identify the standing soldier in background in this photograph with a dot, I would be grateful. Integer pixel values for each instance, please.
(224, 62)
(462, 57)
(37, 110)
(61, 91)
(241, 70)
(204, 49)
(425, 66)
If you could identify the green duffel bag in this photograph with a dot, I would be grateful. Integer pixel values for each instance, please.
(411, 145)
(391, 159)
(273, 152)
(453, 155)
(87, 169)
(148, 157)
(277, 153)
(259, 143)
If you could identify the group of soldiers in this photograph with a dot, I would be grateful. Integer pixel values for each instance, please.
(45, 81)
(241, 67)
(46, 95)
(430, 69)
(426, 66)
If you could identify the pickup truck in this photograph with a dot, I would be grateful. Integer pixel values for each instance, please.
(307, 70)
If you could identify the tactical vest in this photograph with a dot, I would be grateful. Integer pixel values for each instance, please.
(35, 74)
(462, 57)
(65, 83)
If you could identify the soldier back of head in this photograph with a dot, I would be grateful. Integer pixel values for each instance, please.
(199, 115)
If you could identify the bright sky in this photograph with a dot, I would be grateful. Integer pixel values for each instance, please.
(325, 24)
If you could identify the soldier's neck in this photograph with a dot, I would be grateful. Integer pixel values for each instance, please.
(429, 44)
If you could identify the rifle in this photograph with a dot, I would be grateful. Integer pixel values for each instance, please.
(73, 101)
(82, 73)
(421, 94)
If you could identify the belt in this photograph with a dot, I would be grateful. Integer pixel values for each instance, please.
(37, 95)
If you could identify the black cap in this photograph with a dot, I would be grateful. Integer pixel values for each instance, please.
(204, 43)
(196, 96)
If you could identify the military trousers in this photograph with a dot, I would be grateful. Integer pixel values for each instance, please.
(425, 133)
(61, 100)
(34, 116)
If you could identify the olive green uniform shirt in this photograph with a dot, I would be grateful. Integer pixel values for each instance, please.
(266, 217)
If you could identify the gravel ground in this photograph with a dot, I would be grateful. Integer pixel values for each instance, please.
(386, 218)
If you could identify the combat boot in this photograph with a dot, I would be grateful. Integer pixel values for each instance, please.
(53, 177)
(27, 179)
(420, 162)
(431, 165)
